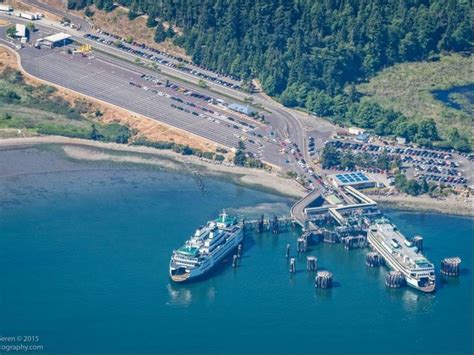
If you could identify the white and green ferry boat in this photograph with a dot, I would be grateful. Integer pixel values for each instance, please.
(209, 245)
(400, 254)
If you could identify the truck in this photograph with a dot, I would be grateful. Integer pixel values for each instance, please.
(28, 16)
(6, 8)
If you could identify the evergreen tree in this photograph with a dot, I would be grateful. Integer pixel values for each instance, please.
(151, 21)
(160, 35)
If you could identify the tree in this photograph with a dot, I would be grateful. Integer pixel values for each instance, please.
(330, 157)
(169, 32)
(108, 5)
(151, 21)
(347, 161)
(187, 150)
(11, 31)
(88, 12)
(95, 134)
(240, 158)
(31, 26)
(160, 35)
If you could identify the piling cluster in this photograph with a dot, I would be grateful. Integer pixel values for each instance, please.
(301, 245)
(274, 225)
(395, 279)
(373, 259)
(260, 224)
(292, 265)
(323, 279)
(330, 237)
(237, 256)
(450, 266)
(356, 241)
(311, 263)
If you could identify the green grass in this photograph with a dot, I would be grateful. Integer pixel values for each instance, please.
(38, 110)
(408, 87)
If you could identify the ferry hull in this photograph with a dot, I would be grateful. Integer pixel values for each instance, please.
(429, 287)
(194, 274)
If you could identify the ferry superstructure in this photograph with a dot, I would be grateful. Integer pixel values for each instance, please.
(206, 248)
(400, 254)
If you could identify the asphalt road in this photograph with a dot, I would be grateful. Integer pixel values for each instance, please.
(284, 121)
(107, 77)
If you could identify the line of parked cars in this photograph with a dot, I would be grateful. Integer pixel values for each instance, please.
(181, 65)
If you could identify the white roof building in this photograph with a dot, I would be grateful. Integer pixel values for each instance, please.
(20, 30)
(58, 37)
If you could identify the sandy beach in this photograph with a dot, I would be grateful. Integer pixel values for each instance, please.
(454, 205)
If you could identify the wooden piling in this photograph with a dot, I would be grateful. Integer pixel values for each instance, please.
(450, 266)
(323, 279)
(311, 263)
(292, 265)
(395, 279)
(373, 259)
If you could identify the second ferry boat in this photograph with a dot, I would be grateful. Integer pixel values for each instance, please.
(401, 255)
(206, 248)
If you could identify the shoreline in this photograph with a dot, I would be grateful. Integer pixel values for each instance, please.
(423, 204)
(93, 151)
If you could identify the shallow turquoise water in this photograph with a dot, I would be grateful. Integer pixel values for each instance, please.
(84, 261)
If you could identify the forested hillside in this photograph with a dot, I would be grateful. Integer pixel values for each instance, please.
(322, 44)
(309, 53)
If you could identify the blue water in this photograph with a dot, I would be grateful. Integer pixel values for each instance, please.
(84, 255)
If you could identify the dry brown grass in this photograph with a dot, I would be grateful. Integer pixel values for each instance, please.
(136, 28)
(142, 126)
(117, 22)
(20, 5)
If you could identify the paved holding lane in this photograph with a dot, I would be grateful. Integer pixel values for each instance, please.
(110, 83)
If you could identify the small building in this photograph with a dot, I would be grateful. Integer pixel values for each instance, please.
(401, 140)
(333, 200)
(363, 137)
(21, 31)
(56, 40)
(357, 180)
(356, 131)
(246, 110)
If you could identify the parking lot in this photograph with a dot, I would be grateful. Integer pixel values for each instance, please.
(147, 95)
(432, 165)
(160, 57)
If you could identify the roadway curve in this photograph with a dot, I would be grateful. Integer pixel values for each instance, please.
(297, 210)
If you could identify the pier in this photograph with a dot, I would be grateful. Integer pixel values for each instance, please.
(273, 224)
